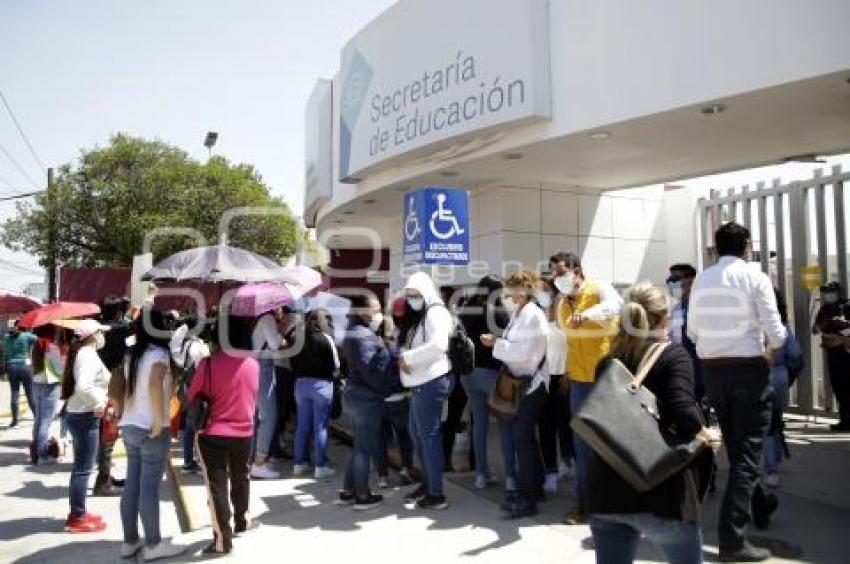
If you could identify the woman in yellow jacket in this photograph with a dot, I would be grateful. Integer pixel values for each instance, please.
(587, 313)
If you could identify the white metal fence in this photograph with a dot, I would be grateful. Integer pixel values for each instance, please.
(794, 225)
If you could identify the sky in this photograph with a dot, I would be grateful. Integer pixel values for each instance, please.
(78, 71)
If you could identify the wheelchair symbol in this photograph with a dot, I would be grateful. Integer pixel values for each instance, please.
(444, 215)
(411, 223)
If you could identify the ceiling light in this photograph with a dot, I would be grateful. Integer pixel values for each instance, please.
(600, 135)
(338, 221)
(448, 173)
(348, 212)
(370, 201)
(513, 156)
(714, 109)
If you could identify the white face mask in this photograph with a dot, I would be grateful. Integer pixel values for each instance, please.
(99, 341)
(544, 299)
(416, 304)
(675, 289)
(566, 284)
(375, 324)
(509, 304)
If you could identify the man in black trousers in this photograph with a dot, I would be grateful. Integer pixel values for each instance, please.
(732, 310)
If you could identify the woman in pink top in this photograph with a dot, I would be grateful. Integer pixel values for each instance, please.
(230, 383)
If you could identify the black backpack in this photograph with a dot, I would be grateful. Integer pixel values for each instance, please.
(461, 351)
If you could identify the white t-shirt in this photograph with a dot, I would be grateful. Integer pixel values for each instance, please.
(137, 409)
(266, 335)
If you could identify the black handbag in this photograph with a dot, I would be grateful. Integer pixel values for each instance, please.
(336, 399)
(621, 423)
(200, 407)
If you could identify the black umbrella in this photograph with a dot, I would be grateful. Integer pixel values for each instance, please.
(217, 263)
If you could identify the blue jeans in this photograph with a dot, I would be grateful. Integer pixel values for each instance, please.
(146, 459)
(478, 386)
(779, 399)
(578, 393)
(395, 416)
(188, 439)
(266, 407)
(426, 410)
(617, 536)
(85, 430)
(365, 408)
(313, 397)
(19, 375)
(45, 398)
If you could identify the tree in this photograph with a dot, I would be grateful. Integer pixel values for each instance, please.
(111, 197)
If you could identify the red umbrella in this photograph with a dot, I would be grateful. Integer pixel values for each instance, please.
(15, 304)
(58, 310)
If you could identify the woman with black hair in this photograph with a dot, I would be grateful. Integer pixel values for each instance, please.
(146, 435)
(228, 380)
(483, 314)
(315, 367)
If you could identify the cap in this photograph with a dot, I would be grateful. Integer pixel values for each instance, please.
(89, 327)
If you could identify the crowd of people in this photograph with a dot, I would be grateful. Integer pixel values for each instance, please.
(524, 352)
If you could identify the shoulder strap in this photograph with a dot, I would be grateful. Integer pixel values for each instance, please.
(334, 352)
(649, 359)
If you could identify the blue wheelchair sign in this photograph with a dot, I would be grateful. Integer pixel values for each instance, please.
(436, 226)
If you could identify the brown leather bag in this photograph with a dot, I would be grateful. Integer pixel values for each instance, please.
(507, 394)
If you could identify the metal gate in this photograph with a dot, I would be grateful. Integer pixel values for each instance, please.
(794, 225)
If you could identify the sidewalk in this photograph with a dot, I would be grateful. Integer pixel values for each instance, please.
(300, 521)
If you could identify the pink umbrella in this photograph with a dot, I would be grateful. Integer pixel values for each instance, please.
(301, 280)
(253, 300)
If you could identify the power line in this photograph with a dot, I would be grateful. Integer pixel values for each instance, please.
(21, 131)
(20, 195)
(18, 166)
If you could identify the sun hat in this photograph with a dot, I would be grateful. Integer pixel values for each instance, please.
(88, 327)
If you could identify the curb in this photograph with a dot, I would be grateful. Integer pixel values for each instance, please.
(186, 515)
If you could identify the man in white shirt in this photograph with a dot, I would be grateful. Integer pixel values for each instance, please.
(732, 309)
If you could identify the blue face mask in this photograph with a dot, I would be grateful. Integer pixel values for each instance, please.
(416, 304)
(544, 299)
(675, 289)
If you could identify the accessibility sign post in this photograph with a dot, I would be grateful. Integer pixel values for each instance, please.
(435, 227)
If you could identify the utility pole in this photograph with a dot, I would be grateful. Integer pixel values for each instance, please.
(51, 238)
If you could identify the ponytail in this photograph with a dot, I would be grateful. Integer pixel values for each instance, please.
(68, 380)
(644, 311)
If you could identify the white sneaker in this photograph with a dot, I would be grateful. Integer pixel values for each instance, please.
(551, 483)
(324, 472)
(131, 549)
(771, 480)
(264, 472)
(383, 483)
(510, 484)
(300, 469)
(163, 550)
(482, 482)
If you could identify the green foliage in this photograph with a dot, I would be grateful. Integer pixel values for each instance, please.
(111, 197)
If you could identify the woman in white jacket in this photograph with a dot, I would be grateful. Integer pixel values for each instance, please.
(426, 370)
(85, 387)
(522, 349)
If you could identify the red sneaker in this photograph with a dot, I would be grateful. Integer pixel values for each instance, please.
(85, 524)
(87, 516)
